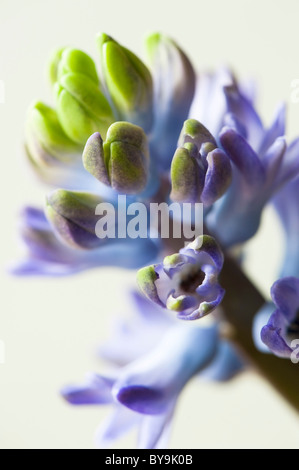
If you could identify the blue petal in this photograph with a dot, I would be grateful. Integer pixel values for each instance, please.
(226, 364)
(277, 129)
(285, 295)
(243, 109)
(174, 85)
(273, 335)
(244, 157)
(96, 391)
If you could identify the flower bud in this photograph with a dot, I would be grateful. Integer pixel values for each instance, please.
(187, 176)
(195, 132)
(72, 215)
(174, 86)
(200, 172)
(128, 82)
(82, 108)
(46, 141)
(69, 60)
(122, 161)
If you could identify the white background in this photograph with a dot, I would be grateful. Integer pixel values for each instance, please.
(51, 328)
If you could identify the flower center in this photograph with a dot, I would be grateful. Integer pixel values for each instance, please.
(191, 280)
(293, 327)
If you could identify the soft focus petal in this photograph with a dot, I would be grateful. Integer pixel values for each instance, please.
(154, 430)
(174, 85)
(95, 391)
(243, 156)
(149, 383)
(243, 109)
(226, 364)
(118, 422)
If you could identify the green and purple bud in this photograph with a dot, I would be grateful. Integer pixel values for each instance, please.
(200, 171)
(72, 216)
(128, 82)
(122, 160)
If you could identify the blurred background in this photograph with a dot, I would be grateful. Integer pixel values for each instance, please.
(51, 328)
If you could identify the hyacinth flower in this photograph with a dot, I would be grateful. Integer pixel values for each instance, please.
(66, 246)
(200, 171)
(151, 374)
(139, 131)
(285, 204)
(186, 282)
(262, 164)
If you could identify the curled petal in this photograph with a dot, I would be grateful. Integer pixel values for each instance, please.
(272, 335)
(244, 157)
(146, 278)
(218, 177)
(285, 295)
(283, 325)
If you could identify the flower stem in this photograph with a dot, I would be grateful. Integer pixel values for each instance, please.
(240, 304)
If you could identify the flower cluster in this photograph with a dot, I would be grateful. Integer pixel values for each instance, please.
(157, 133)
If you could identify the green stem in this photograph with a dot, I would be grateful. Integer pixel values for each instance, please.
(240, 304)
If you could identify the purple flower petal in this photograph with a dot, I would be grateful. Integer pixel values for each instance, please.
(154, 430)
(226, 364)
(118, 422)
(277, 129)
(142, 399)
(218, 177)
(242, 108)
(290, 164)
(244, 157)
(272, 335)
(285, 295)
(96, 391)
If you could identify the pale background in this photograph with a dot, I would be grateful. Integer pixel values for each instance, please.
(52, 327)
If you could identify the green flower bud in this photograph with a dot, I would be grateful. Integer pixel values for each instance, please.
(122, 161)
(72, 215)
(81, 107)
(69, 60)
(195, 132)
(146, 278)
(128, 82)
(186, 178)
